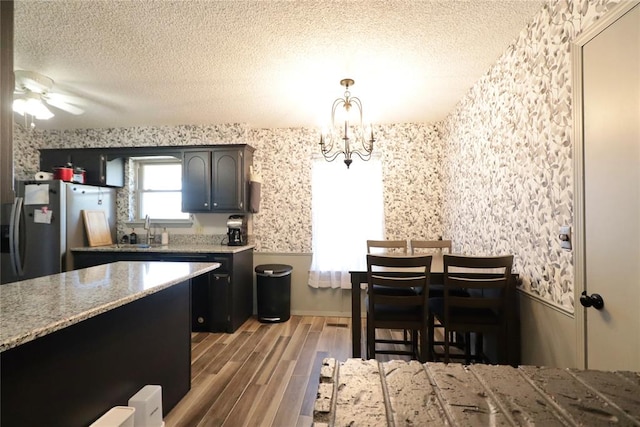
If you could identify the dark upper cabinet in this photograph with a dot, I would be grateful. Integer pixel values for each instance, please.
(99, 168)
(196, 181)
(216, 179)
(228, 185)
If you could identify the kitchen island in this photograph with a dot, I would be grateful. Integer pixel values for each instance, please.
(75, 344)
(221, 300)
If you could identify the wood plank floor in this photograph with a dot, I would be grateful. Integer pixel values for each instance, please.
(261, 375)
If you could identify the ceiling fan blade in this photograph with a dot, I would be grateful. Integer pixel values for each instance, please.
(62, 105)
(32, 81)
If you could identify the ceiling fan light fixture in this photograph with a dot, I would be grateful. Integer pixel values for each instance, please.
(32, 105)
(20, 106)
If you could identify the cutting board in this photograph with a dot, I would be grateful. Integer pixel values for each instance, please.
(97, 228)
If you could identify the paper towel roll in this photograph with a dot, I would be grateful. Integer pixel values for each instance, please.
(44, 176)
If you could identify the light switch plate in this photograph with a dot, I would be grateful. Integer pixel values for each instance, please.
(565, 237)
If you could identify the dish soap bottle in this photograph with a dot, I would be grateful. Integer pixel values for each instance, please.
(165, 236)
(133, 237)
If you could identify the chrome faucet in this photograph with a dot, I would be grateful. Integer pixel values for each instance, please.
(147, 226)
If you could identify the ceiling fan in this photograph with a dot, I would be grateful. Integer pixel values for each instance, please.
(32, 91)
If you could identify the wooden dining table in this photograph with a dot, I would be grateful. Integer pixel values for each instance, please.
(437, 277)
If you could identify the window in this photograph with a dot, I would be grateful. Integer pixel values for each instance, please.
(347, 209)
(159, 185)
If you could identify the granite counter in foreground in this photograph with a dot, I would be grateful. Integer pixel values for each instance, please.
(78, 343)
(33, 308)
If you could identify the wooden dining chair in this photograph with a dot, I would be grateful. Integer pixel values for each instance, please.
(483, 310)
(390, 247)
(387, 247)
(403, 309)
(437, 248)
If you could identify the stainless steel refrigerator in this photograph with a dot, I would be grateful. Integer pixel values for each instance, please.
(44, 222)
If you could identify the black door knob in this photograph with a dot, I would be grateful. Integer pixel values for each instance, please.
(595, 300)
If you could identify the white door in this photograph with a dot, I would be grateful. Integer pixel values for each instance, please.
(611, 129)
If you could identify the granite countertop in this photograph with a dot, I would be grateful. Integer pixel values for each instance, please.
(33, 308)
(224, 249)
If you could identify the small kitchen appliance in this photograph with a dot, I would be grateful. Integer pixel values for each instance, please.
(64, 173)
(237, 230)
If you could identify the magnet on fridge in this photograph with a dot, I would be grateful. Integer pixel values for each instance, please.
(42, 216)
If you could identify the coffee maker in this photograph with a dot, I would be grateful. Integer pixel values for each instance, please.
(237, 230)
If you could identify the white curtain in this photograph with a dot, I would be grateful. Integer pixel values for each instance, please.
(347, 209)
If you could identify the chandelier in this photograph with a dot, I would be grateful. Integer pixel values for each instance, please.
(347, 134)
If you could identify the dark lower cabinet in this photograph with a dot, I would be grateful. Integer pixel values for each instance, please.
(221, 300)
(219, 296)
(72, 376)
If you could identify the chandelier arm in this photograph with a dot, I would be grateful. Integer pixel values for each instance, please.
(324, 147)
(356, 100)
(337, 103)
(367, 145)
(365, 157)
(332, 157)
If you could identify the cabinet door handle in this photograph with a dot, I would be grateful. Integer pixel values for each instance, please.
(206, 204)
(215, 204)
(103, 169)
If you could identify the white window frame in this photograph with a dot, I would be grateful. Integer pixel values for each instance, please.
(138, 163)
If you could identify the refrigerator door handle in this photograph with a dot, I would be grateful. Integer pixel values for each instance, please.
(14, 237)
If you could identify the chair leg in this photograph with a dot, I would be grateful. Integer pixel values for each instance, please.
(446, 345)
(479, 347)
(467, 348)
(371, 341)
(430, 332)
(502, 347)
(424, 347)
(457, 339)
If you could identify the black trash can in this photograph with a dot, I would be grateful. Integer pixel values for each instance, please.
(274, 292)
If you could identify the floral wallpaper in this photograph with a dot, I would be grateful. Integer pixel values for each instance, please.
(508, 166)
(495, 176)
(411, 156)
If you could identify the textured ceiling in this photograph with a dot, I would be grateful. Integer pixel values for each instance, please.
(268, 64)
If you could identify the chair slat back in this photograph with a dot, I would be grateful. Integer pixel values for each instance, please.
(387, 246)
(485, 278)
(408, 272)
(437, 248)
(437, 245)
